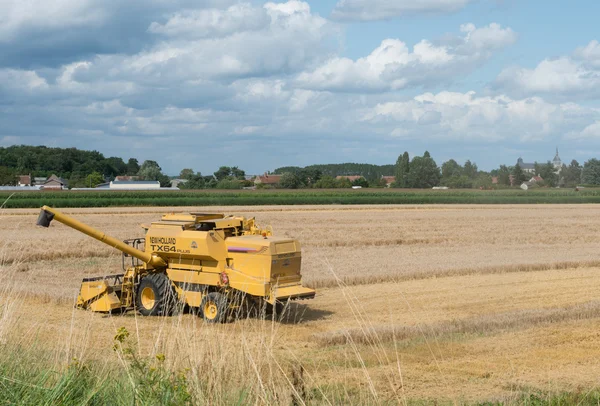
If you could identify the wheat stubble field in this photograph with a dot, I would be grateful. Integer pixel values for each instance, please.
(457, 304)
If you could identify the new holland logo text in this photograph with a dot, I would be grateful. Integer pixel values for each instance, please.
(163, 244)
(163, 240)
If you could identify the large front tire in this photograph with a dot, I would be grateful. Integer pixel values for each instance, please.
(155, 295)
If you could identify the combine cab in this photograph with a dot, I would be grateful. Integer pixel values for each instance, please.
(210, 262)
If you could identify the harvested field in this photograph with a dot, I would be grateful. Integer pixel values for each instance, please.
(415, 303)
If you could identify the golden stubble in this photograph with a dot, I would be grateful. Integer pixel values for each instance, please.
(448, 302)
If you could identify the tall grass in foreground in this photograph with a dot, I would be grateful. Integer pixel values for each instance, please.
(185, 361)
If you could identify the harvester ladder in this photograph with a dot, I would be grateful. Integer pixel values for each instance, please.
(128, 287)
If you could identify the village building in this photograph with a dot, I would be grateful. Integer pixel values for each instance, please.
(536, 179)
(177, 182)
(134, 185)
(267, 179)
(24, 180)
(526, 166)
(388, 180)
(556, 162)
(351, 178)
(55, 183)
(39, 180)
(530, 167)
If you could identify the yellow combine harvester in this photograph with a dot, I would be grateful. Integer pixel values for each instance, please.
(210, 262)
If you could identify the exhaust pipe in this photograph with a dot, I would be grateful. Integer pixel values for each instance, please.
(45, 218)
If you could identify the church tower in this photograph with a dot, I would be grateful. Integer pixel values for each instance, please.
(556, 162)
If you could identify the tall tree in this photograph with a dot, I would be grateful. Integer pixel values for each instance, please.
(470, 170)
(547, 172)
(325, 182)
(309, 176)
(133, 167)
(571, 175)
(223, 172)
(186, 173)
(504, 175)
(590, 174)
(194, 181)
(424, 173)
(290, 180)
(93, 179)
(150, 170)
(8, 177)
(518, 175)
(237, 173)
(451, 168)
(114, 166)
(402, 169)
(483, 181)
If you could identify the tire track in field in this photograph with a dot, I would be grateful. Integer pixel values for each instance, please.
(445, 273)
(483, 324)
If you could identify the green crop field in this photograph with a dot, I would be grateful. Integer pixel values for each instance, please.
(295, 197)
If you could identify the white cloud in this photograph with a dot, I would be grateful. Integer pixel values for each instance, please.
(239, 49)
(248, 129)
(456, 116)
(366, 10)
(22, 80)
(559, 78)
(257, 90)
(288, 8)
(74, 80)
(42, 32)
(393, 66)
(300, 99)
(18, 15)
(590, 132)
(589, 53)
(561, 75)
(487, 38)
(212, 22)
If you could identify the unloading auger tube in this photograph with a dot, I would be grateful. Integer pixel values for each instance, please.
(48, 214)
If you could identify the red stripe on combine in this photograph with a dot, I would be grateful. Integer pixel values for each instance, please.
(241, 249)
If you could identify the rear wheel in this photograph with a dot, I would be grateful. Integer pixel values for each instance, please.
(155, 295)
(214, 307)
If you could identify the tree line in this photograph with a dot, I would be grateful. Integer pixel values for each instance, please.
(423, 172)
(369, 171)
(89, 168)
(82, 168)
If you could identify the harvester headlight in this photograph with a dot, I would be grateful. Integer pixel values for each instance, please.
(224, 278)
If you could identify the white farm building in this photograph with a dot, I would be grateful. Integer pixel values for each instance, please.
(134, 185)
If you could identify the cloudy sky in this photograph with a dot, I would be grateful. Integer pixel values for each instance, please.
(203, 83)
